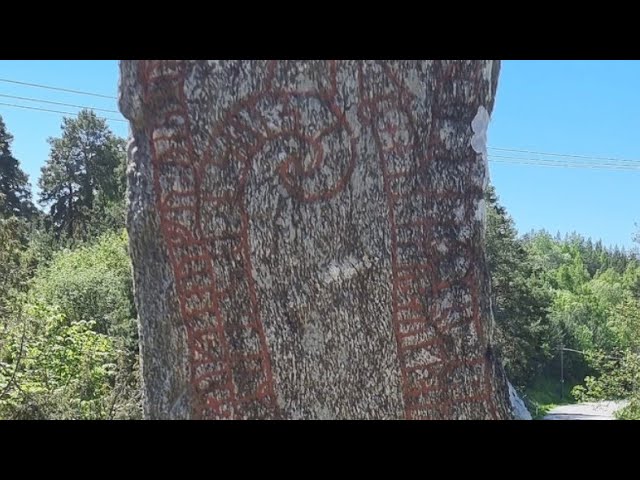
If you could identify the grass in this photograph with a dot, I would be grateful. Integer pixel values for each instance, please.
(544, 395)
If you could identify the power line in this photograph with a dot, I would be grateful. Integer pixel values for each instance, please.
(629, 164)
(79, 92)
(533, 164)
(54, 111)
(621, 164)
(37, 85)
(525, 161)
(493, 158)
(564, 165)
(58, 103)
(562, 155)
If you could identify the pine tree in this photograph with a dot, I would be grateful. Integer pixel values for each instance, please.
(15, 194)
(81, 173)
(520, 303)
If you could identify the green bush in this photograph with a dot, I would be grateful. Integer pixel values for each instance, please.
(619, 377)
(69, 345)
(92, 283)
(53, 368)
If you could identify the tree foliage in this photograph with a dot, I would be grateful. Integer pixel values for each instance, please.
(15, 193)
(519, 298)
(70, 349)
(92, 282)
(82, 181)
(551, 293)
(63, 370)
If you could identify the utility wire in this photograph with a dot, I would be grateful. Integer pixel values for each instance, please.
(605, 162)
(562, 165)
(492, 157)
(521, 161)
(630, 164)
(37, 85)
(562, 155)
(58, 103)
(55, 111)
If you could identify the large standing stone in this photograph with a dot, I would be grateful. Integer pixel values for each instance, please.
(307, 238)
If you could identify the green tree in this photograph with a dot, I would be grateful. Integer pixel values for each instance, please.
(615, 355)
(12, 244)
(68, 346)
(15, 194)
(545, 254)
(83, 176)
(93, 283)
(519, 298)
(12, 231)
(59, 369)
(592, 306)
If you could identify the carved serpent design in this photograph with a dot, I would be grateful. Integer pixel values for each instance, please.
(207, 229)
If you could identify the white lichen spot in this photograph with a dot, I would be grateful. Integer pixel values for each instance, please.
(313, 339)
(324, 413)
(481, 209)
(442, 247)
(343, 270)
(425, 357)
(459, 213)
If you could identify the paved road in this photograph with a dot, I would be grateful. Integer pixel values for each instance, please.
(585, 411)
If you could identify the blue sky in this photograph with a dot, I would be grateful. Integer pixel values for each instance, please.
(571, 107)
